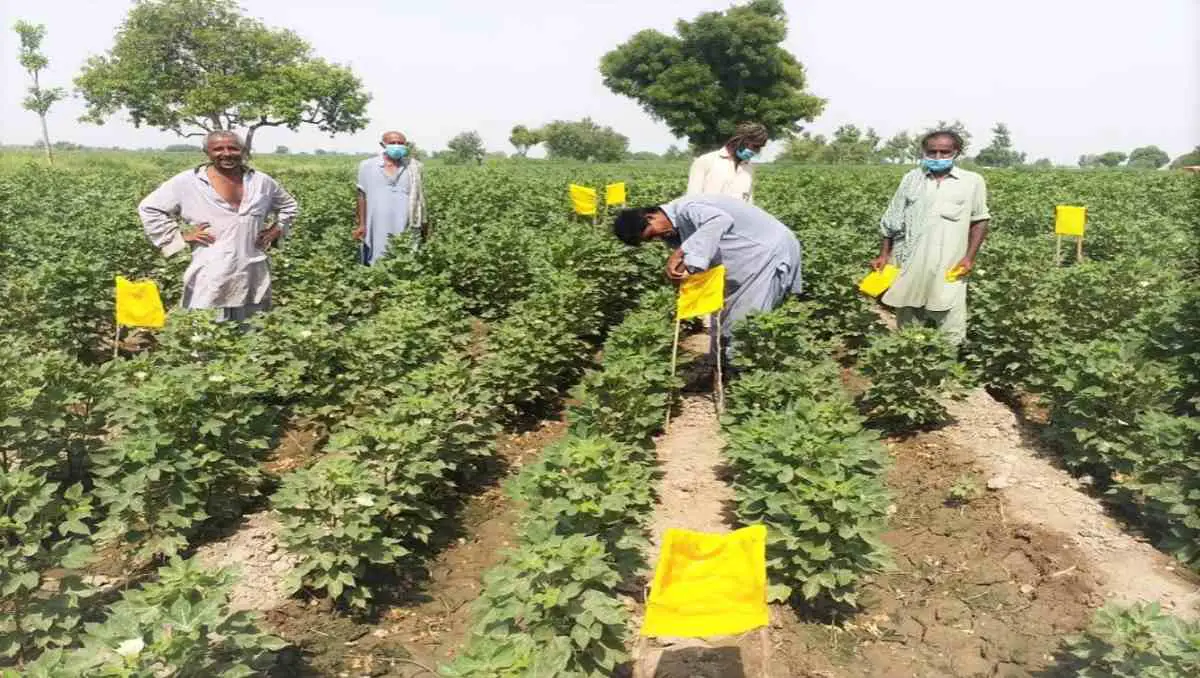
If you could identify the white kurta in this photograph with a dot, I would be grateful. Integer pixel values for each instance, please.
(716, 173)
(232, 273)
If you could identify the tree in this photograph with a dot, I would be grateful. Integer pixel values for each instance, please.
(1187, 159)
(523, 138)
(721, 68)
(183, 148)
(583, 140)
(1089, 160)
(1000, 152)
(957, 127)
(805, 148)
(1043, 163)
(39, 99)
(464, 148)
(675, 154)
(195, 66)
(851, 147)
(1148, 157)
(1111, 158)
(898, 149)
(282, 150)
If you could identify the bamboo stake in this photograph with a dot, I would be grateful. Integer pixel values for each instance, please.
(720, 389)
(1079, 249)
(117, 342)
(674, 360)
(1058, 250)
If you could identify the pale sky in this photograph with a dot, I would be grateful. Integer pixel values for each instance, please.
(1067, 76)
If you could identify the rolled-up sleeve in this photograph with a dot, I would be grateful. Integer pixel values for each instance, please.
(711, 224)
(979, 206)
(159, 213)
(287, 207)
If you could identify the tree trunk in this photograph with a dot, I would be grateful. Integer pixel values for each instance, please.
(46, 140)
(249, 140)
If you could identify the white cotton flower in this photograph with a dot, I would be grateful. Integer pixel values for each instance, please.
(131, 648)
(305, 334)
(140, 375)
(216, 378)
(197, 338)
(364, 500)
(1144, 283)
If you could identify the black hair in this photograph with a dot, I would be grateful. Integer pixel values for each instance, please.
(954, 136)
(630, 223)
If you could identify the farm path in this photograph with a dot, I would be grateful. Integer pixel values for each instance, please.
(692, 496)
(1039, 493)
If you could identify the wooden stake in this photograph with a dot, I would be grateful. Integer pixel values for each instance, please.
(674, 360)
(117, 341)
(1079, 249)
(1058, 250)
(719, 395)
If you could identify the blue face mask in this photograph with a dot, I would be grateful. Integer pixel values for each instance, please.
(395, 151)
(745, 154)
(937, 165)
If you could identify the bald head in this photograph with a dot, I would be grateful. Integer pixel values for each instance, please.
(221, 137)
(393, 137)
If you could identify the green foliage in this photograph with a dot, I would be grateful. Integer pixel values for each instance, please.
(465, 148)
(721, 69)
(964, 490)
(179, 625)
(583, 140)
(1188, 159)
(911, 371)
(547, 611)
(1148, 157)
(771, 390)
(161, 65)
(1139, 641)
(765, 341)
(189, 442)
(44, 535)
(1000, 152)
(523, 138)
(39, 99)
(1165, 481)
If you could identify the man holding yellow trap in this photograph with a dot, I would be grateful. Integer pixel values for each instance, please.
(761, 256)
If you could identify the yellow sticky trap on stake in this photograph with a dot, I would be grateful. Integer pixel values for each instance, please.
(1069, 220)
(583, 199)
(953, 274)
(138, 304)
(709, 584)
(614, 194)
(877, 282)
(701, 294)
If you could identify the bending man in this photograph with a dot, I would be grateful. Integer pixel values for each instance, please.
(391, 199)
(760, 254)
(220, 210)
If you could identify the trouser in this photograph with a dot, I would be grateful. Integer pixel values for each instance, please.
(951, 323)
(763, 292)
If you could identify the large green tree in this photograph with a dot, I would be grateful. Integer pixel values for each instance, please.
(721, 68)
(805, 148)
(957, 126)
(583, 140)
(1111, 158)
(194, 66)
(1000, 153)
(850, 146)
(39, 99)
(522, 138)
(1187, 159)
(899, 149)
(1148, 157)
(465, 148)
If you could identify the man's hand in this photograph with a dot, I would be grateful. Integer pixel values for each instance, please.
(198, 235)
(269, 236)
(676, 270)
(964, 267)
(879, 262)
(359, 232)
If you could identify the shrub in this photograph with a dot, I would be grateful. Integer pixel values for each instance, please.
(911, 371)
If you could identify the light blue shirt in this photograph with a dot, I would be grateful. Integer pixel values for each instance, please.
(393, 204)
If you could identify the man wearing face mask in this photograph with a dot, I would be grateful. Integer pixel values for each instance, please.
(727, 170)
(220, 211)
(391, 200)
(933, 229)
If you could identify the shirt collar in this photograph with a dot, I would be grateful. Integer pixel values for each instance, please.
(723, 152)
(201, 173)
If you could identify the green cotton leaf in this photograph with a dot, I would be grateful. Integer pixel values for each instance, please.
(778, 593)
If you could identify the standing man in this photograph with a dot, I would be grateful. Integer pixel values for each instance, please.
(727, 170)
(391, 199)
(220, 210)
(933, 228)
(761, 255)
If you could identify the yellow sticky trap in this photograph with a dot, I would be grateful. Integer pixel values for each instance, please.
(138, 304)
(583, 199)
(701, 294)
(1069, 220)
(709, 584)
(953, 274)
(877, 282)
(614, 194)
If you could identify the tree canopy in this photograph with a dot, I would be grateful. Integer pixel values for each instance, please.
(194, 66)
(39, 99)
(1000, 153)
(1148, 157)
(583, 140)
(464, 148)
(522, 138)
(1187, 159)
(720, 69)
